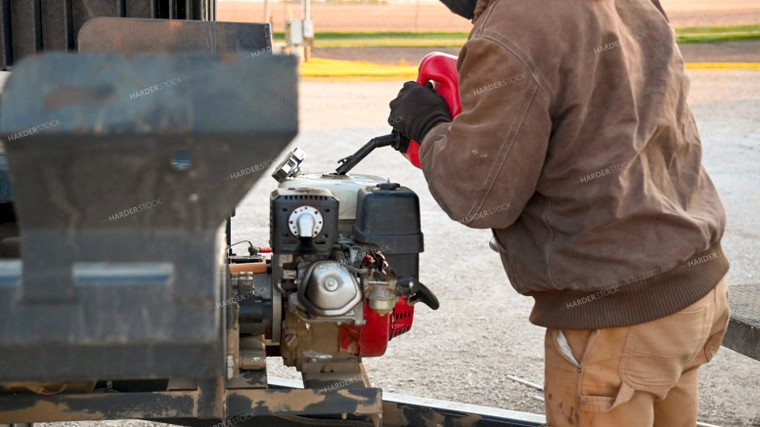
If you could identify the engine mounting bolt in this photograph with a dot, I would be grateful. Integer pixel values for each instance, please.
(331, 284)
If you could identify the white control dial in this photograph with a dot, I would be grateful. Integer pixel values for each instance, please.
(305, 221)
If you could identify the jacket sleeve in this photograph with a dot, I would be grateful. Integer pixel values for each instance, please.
(483, 167)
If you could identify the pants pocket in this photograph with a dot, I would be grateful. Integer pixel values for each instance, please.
(656, 353)
(596, 355)
(722, 316)
(593, 403)
(714, 342)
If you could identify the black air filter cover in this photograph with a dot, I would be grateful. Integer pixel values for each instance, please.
(388, 215)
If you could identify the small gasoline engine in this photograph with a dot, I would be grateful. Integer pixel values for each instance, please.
(342, 279)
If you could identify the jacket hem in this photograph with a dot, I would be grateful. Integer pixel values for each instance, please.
(633, 303)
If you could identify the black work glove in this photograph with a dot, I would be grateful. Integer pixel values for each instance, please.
(463, 8)
(400, 142)
(416, 110)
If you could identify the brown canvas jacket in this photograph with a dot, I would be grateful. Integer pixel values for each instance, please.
(577, 147)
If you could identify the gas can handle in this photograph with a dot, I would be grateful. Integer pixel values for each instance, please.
(441, 69)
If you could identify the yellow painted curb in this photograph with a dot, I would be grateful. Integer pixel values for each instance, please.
(337, 69)
(319, 68)
(723, 66)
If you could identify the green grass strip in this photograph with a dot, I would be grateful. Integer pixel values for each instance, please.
(717, 37)
(455, 39)
(729, 29)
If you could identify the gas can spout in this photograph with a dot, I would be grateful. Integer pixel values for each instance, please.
(348, 163)
(436, 67)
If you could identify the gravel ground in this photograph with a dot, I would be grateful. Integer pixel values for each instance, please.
(463, 351)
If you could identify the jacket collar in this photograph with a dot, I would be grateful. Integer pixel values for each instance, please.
(480, 7)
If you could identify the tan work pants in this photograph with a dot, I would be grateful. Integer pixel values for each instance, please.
(641, 375)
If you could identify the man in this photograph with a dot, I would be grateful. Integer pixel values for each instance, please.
(574, 116)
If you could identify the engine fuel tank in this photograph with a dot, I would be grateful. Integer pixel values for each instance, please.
(344, 187)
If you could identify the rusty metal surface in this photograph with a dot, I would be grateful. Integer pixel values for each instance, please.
(120, 205)
(403, 411)
(743, 335)
(65, 407)
(205, 402)
(284, 404)
(152, 36)
(363, 401)
(241, 405)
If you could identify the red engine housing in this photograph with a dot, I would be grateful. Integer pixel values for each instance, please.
(372, 339)
(441, 69)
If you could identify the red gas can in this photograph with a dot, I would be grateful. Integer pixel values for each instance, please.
(441, 69)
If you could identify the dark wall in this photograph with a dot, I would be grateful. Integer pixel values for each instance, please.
(30, 26)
